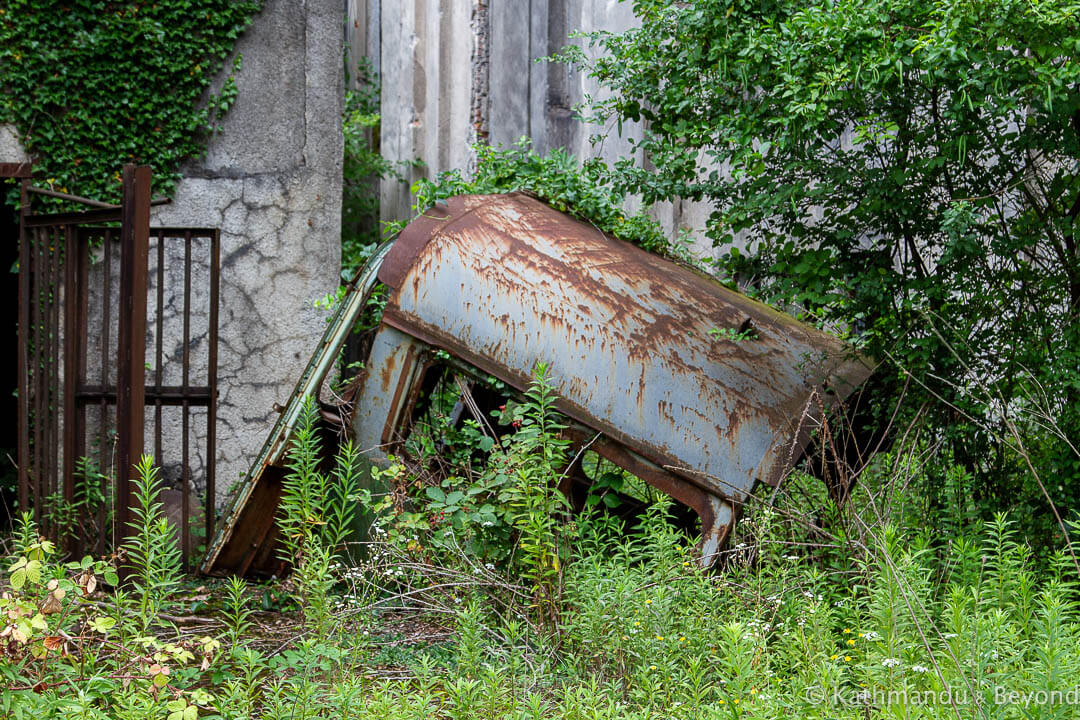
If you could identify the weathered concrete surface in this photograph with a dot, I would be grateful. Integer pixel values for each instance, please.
(11, 149)
(272, 182)
(439, 57)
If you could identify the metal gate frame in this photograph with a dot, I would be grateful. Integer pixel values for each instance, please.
(54, 263)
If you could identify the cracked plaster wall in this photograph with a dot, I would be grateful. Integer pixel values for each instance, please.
(271, 181)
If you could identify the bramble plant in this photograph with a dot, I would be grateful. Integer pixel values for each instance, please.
(67, 653)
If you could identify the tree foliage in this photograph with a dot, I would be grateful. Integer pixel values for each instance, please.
(903, 170)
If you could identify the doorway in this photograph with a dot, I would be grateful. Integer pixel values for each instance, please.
(9, 266)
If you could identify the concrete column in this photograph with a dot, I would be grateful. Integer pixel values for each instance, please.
(271, 180)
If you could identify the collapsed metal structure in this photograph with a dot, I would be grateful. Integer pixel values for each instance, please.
(696, 389)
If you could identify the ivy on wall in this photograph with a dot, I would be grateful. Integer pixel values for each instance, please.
(91, 85)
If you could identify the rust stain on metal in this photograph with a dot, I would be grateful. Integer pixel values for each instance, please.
(627, 335)
(504, 282)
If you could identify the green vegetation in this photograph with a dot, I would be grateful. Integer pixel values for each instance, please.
(91, 85)
(853, 618)
(580, 189)
(905, 172)
(362, 170)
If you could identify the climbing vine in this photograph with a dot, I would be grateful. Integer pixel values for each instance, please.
(90, 85)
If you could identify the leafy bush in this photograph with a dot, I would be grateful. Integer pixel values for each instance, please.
(363, 168)
(581, 189)
(69, 649)
(504, 507)
(903, 171)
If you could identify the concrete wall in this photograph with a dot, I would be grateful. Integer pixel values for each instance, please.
(271, 181)
(455, 72)
(11, 148)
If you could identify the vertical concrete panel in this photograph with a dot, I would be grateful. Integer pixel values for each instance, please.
(562, 128)
(374, 35)
(271, 181)
(425, 86)
(362, 36)
(537, 74)
(397, 42)
(509, 70)
(480, 100)
(428, 87)
(432, 129)
(460, 71)
(613, 16)
(356, 29)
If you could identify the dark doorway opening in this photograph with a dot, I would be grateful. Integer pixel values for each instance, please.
(9, 434)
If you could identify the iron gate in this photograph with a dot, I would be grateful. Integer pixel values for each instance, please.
(99, 291)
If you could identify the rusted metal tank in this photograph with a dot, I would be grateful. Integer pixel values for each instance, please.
(694, 388)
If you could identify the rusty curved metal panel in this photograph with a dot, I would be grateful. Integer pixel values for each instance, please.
(505, 282)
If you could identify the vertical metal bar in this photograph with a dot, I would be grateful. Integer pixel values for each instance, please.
(25, 269)
(45, 383)
(71, 355)
(55, 349)
(185, 515)
(159, 332)
(211, 381)
(45, 386)
(50, 449)
(36, 371)
(130, 369)
(80, 294)
(104, 454)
